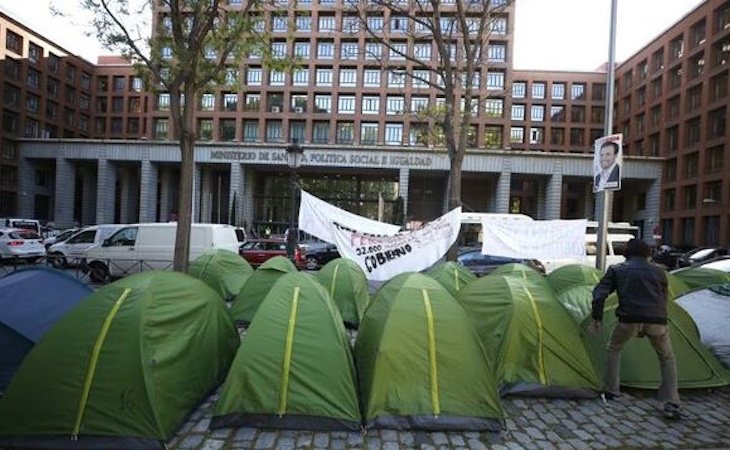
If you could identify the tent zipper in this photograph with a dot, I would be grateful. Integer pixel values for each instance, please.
(540, 338)
(334, 282)
(286, 366)
(89, 378)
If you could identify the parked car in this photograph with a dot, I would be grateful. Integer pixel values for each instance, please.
(482, 265)
(70, 251)
(701, 254)
(721, 263)
(258, 251)
(317, 255)
(24, 244)
(59, 237)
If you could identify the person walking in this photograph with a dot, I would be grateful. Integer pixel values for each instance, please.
(641, 312)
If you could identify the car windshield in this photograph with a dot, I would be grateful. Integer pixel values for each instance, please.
(720, 264)
(24, 234)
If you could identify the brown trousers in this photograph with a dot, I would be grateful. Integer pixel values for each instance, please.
(658, 335)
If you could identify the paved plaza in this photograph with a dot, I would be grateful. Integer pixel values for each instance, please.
(633, 422)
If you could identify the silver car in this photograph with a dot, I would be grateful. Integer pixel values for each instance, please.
(16, 243)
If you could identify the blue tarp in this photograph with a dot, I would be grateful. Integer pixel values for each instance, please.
(31, 301)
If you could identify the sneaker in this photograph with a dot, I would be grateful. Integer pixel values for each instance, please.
(609, 396)
(672, 411)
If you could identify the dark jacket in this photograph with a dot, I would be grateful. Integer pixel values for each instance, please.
(641, 288)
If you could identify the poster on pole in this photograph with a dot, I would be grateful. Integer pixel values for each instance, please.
(383, 257)
(539, 239)
(607, 163)
(316, 217)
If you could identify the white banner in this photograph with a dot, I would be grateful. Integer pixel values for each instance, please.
(316, 217)
(539, 239)
(383, 257)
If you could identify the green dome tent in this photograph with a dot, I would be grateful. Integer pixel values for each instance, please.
(123, 369)
(696, 366)
(516, 269)
(420, 363)
(699, 277)
(566, 277)
(294, 368)
(257, 285)
(453, 276)
(347, 286)
(223, 270)
(536, 346)
(676, 287)
(577, 300)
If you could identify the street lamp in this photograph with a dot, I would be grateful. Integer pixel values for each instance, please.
(294, 153)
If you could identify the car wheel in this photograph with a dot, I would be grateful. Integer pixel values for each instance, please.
(57, 260)
(99, 272)
(312, 263)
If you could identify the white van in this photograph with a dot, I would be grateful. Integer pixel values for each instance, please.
(70, 252)
(148, 246)
(25, 224)
(615, 245)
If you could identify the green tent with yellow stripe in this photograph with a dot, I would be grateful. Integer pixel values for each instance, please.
(420, 363)
(123, 369)
(294, 369)
(536, 346)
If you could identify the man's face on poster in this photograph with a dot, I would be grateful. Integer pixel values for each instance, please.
(608, 155)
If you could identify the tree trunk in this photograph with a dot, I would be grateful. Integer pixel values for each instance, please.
(185, 207)
(455, 196)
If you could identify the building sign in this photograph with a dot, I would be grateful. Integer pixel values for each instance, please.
(335, 158)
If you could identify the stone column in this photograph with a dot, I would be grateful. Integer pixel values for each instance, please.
(106, 181)
(554, 193)
(206, 195)
(65, 187)
(147, 191)
(196, 194)
(125, 196)
(26, 194)
(403, 179)
(503, 187)
(651, 212)
(88, 196)
(247, 205)
(235, 192)
(166, 206)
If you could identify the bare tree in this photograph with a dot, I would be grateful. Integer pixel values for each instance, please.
(443, 45)
(194, 45)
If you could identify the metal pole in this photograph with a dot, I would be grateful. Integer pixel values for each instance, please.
(605, 196)
(291, 235)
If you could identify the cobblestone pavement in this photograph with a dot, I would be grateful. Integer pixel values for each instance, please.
(632, 422)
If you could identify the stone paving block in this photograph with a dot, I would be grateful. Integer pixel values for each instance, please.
(305, 439)
(265, 440)
(578, 444)
(406, 438)
(202, 425)
(390, 445)
(427, 447)
(476, 444)
(457, 440)
(439, 439)
(286, 443)
(523, 438)
(534, 433)
(213, 444)
(245, 434)
(321, 440)
(374, 443)
(389, 435)
(354, 439)
(191, 441)
(221, 433)
(338, 444)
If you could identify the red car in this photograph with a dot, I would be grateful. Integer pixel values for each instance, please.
(258, 251)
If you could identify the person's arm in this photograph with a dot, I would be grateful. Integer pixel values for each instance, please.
(604, 288)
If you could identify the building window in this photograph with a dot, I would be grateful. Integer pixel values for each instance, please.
(274, 131)
(698, 33)
(279, 24)
(537, 135)
(398, 52)
(345, 133)
(692, 132)
(299, 103)
(393, 133)
(163, 102)
(577, 137)
(538, 90)
(253, 102)
(370, 105)
(325, 50)
(303, 23)
(537, 113)
(419, 104)
(372, 78)
(676, 48)
(394, 106)
(557, 136)
(301, 50)
(558, 92)
(326, 23)
(254, 76)
(422, 52)
(497, 53)
(13, 42)
(517, 135)
(691, 164)
(557, 113)
(493, 137)
(323, 104)
(277, 78)
(296, 130)
(250, 130)
(205, 129)
(495, 80)
(346, 104)
(577, 113)
(278, 50)
(690, 196)
(518, 112)
(715, 157)
(300, 77)
(34, 78)
(373, 51)
(161, 127)
(324, 77)
(12, 69)
(578, 91)
(368, 133)
(230, 102)
(320, 132)
(494, 107)
(716, 120)
(348, 77)
(499, 25)
(375, 23)
(519, 89)
(207, 102)
(396, 79)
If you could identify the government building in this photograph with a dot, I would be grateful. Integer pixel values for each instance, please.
(90, 143)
